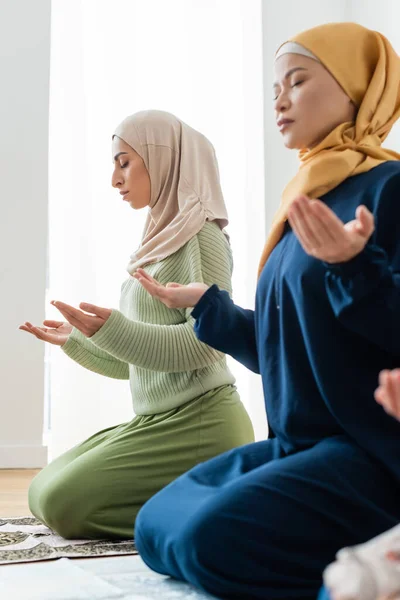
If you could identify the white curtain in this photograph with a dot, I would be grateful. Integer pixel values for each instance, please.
(200, 59)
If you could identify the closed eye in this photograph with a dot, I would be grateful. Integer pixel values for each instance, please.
(294, 85)
(124, 165)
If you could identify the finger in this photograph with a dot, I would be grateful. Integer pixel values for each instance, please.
(383, 377)
(153, 289)
(365, 221)
(327, 214)
(25, 328)
(157, 291)
(313, 225)
(63, 307)
(54, 324)
(293, 221)
(331, 224)
(70, 312)
(379, 395)
(394, 383)
(72, 318)
(31, 328)
(380, 392)
(299, 212)
(38, 332)
(173, 285)
(388, 397)
(145, 275)
(26, 325)
(104, 313)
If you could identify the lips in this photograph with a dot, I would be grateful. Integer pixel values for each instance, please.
(282, 123)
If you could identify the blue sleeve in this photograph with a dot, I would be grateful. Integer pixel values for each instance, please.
(226, 327)
(365, 292)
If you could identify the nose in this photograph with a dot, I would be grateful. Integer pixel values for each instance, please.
(116, 179)
(282, 103)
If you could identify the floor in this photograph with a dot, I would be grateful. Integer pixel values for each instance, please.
(14, 486)
(120, 577)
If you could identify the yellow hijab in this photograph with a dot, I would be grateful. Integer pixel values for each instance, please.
(368, 69)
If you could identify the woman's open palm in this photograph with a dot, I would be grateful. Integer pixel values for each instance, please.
(323, 235)
(54, 332)
(173, 295)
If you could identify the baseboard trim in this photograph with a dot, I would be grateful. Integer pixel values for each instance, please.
(23, 457)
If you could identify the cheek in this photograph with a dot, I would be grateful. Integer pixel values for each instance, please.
(309, 103)
(137, 180)
(130, 178)
(338, 109)
(144, 184)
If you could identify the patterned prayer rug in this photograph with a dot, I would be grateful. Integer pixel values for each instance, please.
(25, 539)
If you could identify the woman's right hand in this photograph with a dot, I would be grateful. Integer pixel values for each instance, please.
(54, 332)
(173, 295)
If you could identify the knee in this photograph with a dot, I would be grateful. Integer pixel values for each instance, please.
(147, 536)
(201, 548)
(186, 551)
(56, 506)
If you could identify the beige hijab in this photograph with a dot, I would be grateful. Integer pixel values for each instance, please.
(185, 184)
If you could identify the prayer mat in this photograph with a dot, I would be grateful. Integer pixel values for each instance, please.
(26, 539)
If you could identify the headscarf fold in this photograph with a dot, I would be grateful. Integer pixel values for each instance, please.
(366, 66)
(185, 184)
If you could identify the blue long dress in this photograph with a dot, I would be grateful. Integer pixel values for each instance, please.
(263, 520)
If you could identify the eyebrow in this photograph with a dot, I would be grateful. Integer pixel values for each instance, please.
(118, 155)
(289, 73)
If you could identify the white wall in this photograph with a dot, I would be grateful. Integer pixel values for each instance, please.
(24, 67)
(383, 16)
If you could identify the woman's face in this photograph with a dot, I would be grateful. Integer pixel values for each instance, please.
(308, 101)
(130, 175)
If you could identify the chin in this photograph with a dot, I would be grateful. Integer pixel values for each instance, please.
(290, 144)
(136, 205)
(293, 143)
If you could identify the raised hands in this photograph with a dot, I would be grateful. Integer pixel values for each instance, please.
(54, 332)
(173, 295)
(88, 319)
(323, 235)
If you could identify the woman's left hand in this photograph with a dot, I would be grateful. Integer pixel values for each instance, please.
(88, 324)
(173, 295)
(323, 235)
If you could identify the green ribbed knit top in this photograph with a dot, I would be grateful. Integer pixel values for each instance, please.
(155, 347)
